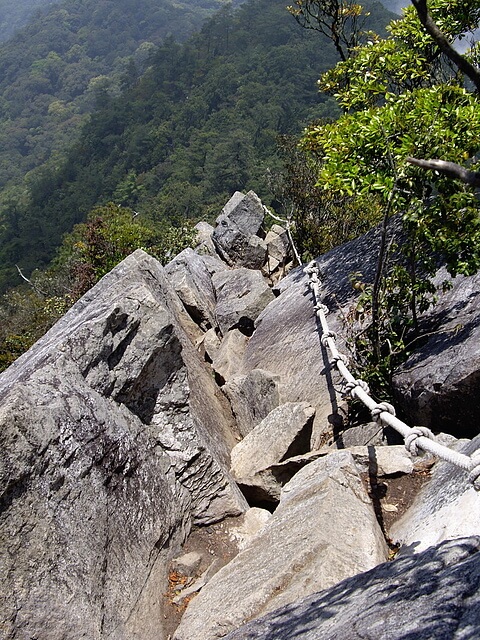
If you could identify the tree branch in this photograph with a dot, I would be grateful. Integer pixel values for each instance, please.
(444, 45)
(450, 169)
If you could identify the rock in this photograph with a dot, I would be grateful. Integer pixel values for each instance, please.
(204, 242)
(227, 358)
(192, 281)
(278, 250)
(286, 340)
(253, 521)
(323, 531)
(187, 564)
(277, 242)
(434, 596)
(209, 344)
(252, 397)
(285, 432)
(236, 235)
(383, 461)
(447, 507)
(242, 294)
(367, 434)
(439, 385)
(114, 442)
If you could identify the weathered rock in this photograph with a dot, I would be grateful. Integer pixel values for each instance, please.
(264, 486)
(367, 434)
(433, 596)
(383, 461)
(439, 385)
(252, 397)
(236, 235)
(277, 242)
(323, 531)
(227, 358)
(242, 294)
(278, 250)
(447, 507)
(253, 521)
(204, 242)
(209, 344)
(187, 564)
(286, 341)
(114, 440)
(192, 281)
(285, 432)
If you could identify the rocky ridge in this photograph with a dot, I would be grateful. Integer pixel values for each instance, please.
(175, 451)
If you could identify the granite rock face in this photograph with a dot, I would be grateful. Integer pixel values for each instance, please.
(115, 440)
(116, 433)
(191, 276)
(252, 397)
(307, 545)
(433, 596)
(448, 507)
(241, 294)
(236, 236)
(437, 386)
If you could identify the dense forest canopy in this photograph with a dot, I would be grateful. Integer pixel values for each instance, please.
(181, 128)
(14, 14)
(52, 70)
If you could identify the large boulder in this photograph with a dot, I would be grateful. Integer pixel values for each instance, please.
(286, 341)
(285, 432)
(323, 531)
(242, 294)
(115, 440)
(447, 507)
(236, 236)
(432, 596)
(439, 385)
(252, 397)
(191, 276)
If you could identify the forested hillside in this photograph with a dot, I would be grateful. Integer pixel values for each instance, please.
(201, 122)
(53, 70)
(14, 15)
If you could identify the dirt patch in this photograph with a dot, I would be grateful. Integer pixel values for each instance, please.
(392, 496)
(216, 547)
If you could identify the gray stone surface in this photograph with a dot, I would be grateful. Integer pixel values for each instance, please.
(191, 278)
(242, 294)
(253, 522)
(285, 432)
(433, 596)
(367, 434)
(286, 341)
(383, 461)
(277, 242)
(323, 531)
(252, 397)
(227, 358)
(204, 242)
(447, 507)
(114, 441)
(439, 385)
(209, 344)
(236, 236)
(278, 251)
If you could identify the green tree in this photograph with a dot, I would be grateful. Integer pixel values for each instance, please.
(406, 99)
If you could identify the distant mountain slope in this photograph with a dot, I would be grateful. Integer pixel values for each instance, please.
(14, 14)
(52, 70)
(200, 123)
